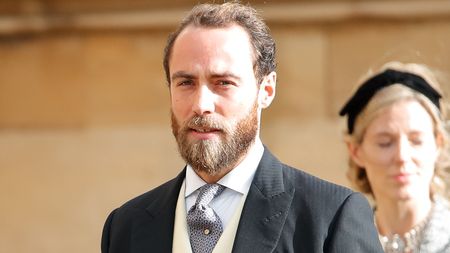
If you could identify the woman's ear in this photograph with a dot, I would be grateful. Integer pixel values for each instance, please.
(439, 142)
(354, 151)
(440, 145)
(267, 90)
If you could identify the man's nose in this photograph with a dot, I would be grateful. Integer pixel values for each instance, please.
(204, 100)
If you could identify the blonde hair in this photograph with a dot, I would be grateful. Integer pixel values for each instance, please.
(385, 98)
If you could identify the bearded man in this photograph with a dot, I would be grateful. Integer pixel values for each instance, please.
(233, 195)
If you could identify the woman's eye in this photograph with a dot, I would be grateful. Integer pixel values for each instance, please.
(384, 144)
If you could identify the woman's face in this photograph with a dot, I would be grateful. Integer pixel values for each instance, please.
(399, 151)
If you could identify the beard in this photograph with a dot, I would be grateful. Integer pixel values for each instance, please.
(214, 155)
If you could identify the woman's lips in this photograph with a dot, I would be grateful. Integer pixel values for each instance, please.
(403, 177)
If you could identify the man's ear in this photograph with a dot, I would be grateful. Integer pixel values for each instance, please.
(355, 153)
(267, 90)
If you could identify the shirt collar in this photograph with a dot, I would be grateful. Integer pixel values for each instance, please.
(238, 179)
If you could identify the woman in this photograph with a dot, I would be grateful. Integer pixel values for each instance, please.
(397, 144)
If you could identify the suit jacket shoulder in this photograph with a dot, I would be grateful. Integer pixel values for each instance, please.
(145, 223)
(314, 195)
(288, 210)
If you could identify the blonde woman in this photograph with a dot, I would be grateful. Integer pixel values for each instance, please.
(397, 143)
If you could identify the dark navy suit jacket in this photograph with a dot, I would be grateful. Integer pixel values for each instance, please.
(286, 210)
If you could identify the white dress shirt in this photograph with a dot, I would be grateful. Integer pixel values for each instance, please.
(237, 183)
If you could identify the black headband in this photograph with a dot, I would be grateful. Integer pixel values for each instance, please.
(389, 77)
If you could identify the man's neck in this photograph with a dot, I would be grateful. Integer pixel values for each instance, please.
(214, 178)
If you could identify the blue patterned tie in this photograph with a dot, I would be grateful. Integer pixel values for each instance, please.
(205, 226)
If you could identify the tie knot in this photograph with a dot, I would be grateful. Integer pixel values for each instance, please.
(208, 192)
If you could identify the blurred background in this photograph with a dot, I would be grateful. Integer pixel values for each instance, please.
(84, 107)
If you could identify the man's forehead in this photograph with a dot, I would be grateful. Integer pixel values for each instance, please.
(198, 42)
(193, 30)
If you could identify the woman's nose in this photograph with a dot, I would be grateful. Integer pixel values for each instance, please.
(404, 150)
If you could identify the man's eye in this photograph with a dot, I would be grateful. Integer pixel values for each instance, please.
(417, 141)
(225, 83)
(185, 83)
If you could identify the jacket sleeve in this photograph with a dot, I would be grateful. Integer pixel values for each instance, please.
(106, 235)
(353, 229)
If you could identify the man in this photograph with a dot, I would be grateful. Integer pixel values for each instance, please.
(220, 66)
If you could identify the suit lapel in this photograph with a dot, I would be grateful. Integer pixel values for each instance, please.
(265, 209)
(155, 233)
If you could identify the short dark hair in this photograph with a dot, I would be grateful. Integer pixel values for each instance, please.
(224, 15)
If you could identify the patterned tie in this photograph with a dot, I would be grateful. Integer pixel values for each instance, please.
(205, 226)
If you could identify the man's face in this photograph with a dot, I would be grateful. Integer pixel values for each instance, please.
(214, 105)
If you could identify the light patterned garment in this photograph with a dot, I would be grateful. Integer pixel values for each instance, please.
(436, 238)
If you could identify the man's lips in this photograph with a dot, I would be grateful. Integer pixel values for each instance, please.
(204, 133)
(204, 130)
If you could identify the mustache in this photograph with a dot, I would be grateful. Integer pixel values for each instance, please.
(212, 122)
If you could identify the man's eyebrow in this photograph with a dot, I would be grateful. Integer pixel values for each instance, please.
(225, 74)
(182, 74)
